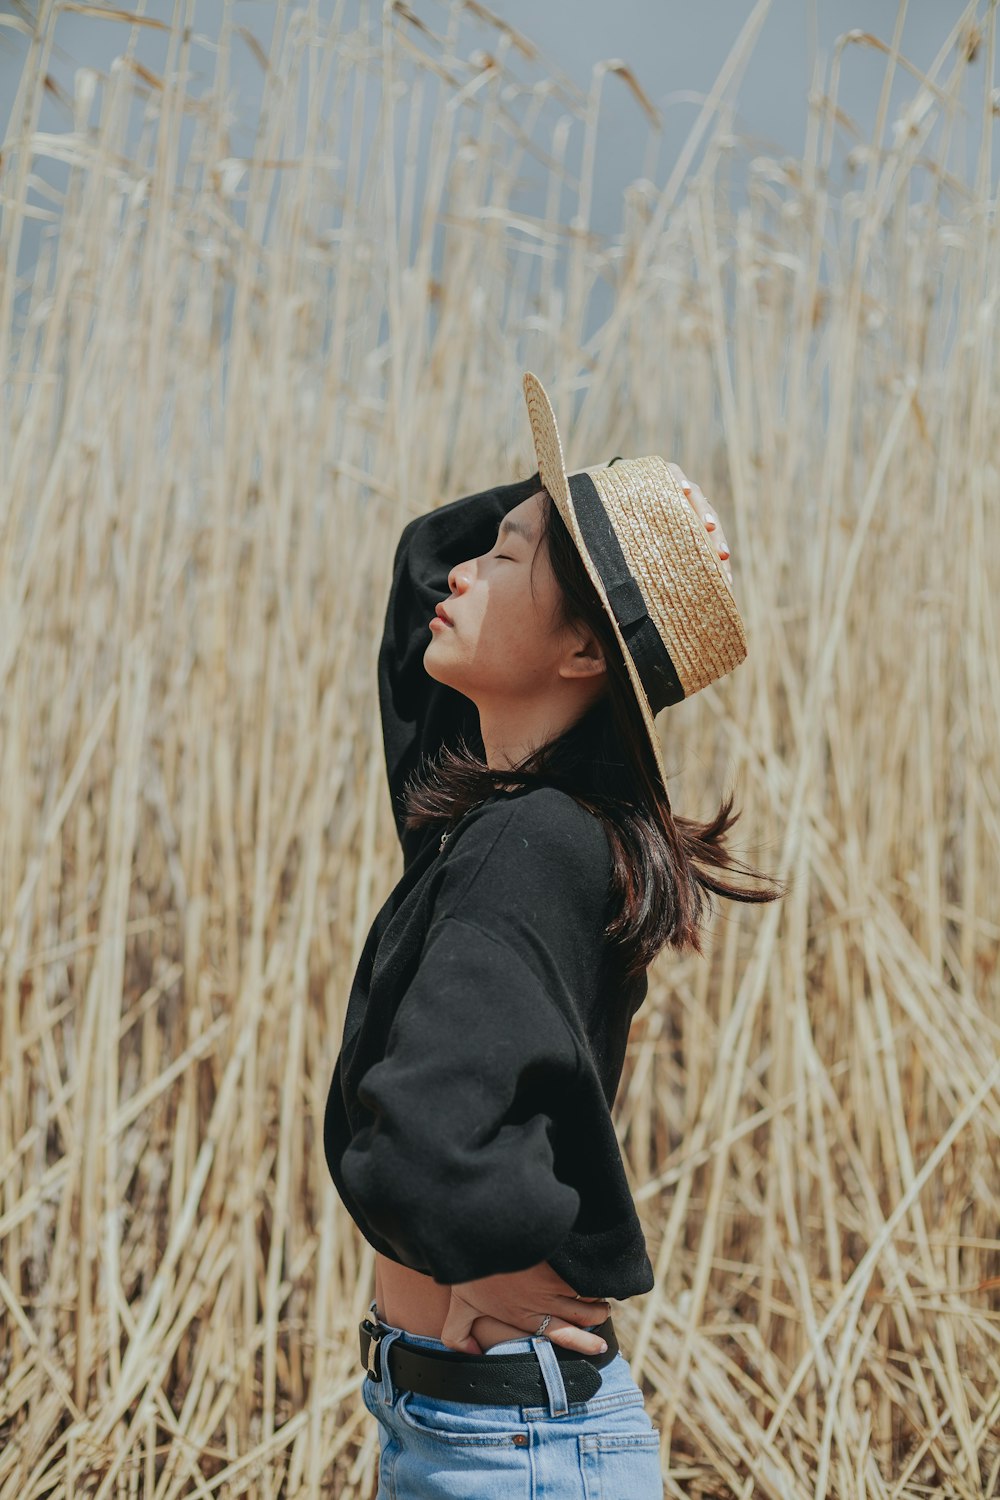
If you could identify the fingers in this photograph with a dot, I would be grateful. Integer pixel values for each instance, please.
(571, 1337)
(488, 1331)
(581, 1311)
(484, 1311)
(709, 519)
(456, 1331)
(570, 1323)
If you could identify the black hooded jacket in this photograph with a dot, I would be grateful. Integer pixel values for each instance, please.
(468, 1124)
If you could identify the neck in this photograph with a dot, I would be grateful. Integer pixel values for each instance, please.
(510, 736)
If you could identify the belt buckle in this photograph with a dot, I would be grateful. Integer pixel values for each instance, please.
(374, 1363)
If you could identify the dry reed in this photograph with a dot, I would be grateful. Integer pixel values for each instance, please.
(229, 387)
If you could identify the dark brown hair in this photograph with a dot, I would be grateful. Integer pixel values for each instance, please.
(662, 864)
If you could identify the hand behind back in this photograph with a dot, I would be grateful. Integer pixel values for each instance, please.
(511, 1305)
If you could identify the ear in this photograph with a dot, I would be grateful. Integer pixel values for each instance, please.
(585, 658)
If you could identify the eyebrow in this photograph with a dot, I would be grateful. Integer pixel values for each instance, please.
(516, 526)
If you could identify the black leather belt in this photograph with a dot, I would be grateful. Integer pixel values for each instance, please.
(504, 1379)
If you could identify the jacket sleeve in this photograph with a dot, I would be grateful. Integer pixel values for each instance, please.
(456, 1170)
(418, 713)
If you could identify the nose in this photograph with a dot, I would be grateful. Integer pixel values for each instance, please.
(458, 577)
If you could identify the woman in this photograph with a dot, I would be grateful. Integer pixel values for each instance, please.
(532, 632)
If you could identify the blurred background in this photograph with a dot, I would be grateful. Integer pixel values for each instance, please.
(674, 53)
(269, 276)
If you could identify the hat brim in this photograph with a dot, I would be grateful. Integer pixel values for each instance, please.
(552, 473)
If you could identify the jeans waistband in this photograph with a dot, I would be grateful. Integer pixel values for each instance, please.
(522, 1345)
(538, 1345)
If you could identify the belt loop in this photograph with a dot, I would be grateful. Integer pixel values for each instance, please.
(552, 1375)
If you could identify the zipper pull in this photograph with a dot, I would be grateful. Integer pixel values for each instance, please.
(452, 830)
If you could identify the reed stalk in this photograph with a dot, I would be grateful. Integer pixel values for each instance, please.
(226, 384)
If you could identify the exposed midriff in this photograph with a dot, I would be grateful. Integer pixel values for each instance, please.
(409, 1299)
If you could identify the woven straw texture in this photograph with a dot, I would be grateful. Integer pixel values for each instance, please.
(666, 549)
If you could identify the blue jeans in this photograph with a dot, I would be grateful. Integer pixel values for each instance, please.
(431, 1449)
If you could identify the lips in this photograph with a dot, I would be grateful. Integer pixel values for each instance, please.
(443, 614)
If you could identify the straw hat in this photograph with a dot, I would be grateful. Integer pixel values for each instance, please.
(653, 564)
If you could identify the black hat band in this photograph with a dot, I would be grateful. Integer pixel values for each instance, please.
(657, 672)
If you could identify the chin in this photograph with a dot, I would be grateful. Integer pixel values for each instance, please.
(435, 669)
(439, 670)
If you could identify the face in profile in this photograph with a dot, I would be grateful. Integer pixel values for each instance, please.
(503, 647)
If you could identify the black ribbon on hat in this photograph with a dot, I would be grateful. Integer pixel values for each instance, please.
(657, 672)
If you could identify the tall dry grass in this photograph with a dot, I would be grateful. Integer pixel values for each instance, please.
(231, 384)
